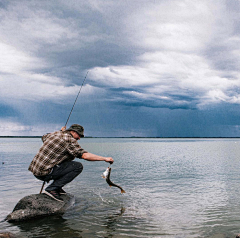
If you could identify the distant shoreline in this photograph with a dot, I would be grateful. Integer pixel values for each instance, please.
(134, 137)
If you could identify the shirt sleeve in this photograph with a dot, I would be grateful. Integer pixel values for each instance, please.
(44, 137)
(75, 149)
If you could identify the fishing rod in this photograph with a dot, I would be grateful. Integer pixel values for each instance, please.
(76, 98)
(69, 117)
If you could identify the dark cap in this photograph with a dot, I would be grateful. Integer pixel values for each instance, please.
(77, 128)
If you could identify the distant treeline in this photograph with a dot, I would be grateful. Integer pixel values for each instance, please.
(134, 137)
(20, 136)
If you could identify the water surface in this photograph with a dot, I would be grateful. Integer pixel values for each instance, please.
(174, 188)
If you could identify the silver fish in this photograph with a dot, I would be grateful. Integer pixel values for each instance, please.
(106, 175)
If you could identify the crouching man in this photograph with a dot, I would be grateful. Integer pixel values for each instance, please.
(54, 160)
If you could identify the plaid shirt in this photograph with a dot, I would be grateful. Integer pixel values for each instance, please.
(57, 147)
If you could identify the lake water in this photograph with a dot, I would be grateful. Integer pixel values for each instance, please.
(174, 188)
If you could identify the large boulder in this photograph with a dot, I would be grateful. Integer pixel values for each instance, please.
(39, 205)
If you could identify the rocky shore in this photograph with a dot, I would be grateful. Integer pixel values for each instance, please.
(39, 205)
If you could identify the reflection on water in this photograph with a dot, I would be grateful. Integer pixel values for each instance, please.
(110, 221)
(61, 227)
(174, 188)
(54, 226)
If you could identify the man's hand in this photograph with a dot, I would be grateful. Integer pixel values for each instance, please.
(109, 160)
(63, 128)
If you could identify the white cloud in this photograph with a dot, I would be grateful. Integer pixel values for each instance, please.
(14, 61)
(29, 33)
(175, 50)
(166, 74)
(31, 27)
(11, 127)
(35, 88)
(177, 38)
(19, 81)
(173, 25)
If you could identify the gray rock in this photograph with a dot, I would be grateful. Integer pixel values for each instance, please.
(7, 235)
(39, 205)
(10, 235)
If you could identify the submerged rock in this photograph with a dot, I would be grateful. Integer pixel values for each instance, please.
(39, 205)
(7, 235)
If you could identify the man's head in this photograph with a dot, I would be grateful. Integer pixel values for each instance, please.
(77, 129)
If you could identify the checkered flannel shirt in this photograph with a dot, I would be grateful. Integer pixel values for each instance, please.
(57, 147)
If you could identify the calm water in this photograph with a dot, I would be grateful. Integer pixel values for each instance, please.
(174, 188)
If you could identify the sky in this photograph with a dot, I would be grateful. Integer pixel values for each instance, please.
(156, 68)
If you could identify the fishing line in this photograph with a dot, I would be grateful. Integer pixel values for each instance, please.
(76, 99)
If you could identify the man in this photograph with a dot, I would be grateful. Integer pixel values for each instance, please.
(54, 161)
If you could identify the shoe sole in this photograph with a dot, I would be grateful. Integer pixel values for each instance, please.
(63, 193)
(50, 195)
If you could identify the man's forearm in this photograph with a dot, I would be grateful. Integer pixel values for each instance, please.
(92, 157)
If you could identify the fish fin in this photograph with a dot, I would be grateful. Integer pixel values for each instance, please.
(110, 185)
(103, 176)
(122, 191)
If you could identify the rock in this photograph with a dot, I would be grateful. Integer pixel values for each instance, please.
(39, 205)
(7, 235)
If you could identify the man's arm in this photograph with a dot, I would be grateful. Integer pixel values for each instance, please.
(93, 157)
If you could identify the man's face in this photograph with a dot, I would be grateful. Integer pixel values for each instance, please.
(75, 135)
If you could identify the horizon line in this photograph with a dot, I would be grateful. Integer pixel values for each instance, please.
(156, 137)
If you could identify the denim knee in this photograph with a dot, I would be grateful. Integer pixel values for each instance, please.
(78, 167)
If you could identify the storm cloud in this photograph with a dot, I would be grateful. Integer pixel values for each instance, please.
(156, 68)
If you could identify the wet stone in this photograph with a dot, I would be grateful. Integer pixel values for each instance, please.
(39, 205)
(7, 235)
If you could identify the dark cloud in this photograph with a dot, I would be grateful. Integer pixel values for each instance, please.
(157, 68)
(4, 4)
(7, 111)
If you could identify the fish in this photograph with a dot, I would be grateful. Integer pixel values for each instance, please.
(106, 175)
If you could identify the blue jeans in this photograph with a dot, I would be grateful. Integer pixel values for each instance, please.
(62, 174)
